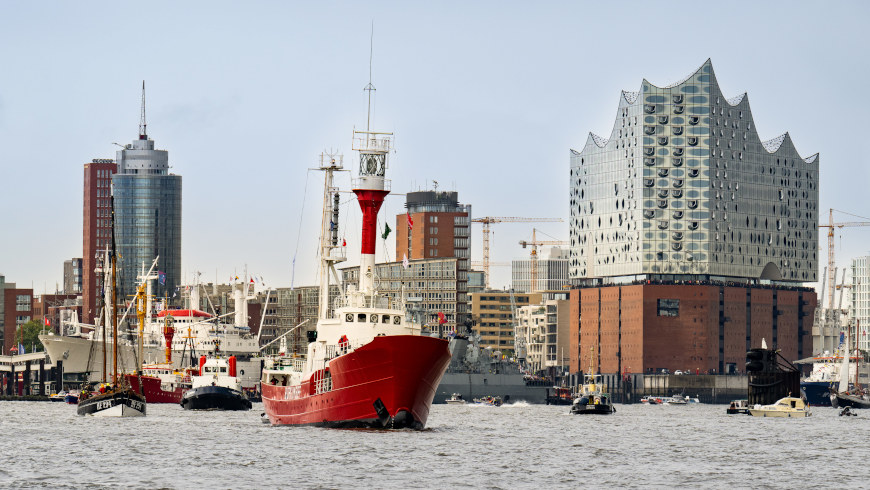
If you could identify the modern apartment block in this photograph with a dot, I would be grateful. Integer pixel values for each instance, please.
(682, 217)
(860, 304)
(147, 214)
(546, 330)
(96, 228)
(493, 316)
(552, 272)
(72, 276)
(436, 290)
(435, 225)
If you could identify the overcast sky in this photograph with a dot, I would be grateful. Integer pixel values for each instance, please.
(486, 98)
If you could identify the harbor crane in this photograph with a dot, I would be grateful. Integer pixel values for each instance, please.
(488, 220)
(533, 266)
(831, 269)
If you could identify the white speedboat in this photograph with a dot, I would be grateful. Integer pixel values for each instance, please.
(455, 399)
(784, 407)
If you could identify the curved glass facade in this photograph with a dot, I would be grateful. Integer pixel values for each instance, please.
(147, 225)
(147, 217)
(684, 185)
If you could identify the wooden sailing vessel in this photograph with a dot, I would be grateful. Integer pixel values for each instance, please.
(117, 399)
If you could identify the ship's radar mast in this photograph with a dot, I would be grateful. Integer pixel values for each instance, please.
(331, 252)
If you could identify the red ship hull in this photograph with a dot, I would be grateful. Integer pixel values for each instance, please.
(152, 390)
(388, 383)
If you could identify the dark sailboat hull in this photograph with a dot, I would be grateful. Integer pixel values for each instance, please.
(122, 404)
(840, 400)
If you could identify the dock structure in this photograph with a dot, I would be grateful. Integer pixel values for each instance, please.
(19, 373)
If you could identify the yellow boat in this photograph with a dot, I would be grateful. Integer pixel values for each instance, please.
(784, 407)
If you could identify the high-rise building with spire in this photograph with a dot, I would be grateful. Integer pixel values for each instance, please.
(147, 203)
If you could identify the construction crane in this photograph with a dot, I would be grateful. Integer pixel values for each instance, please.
(533, 266)
(486, 221)
(831, 263)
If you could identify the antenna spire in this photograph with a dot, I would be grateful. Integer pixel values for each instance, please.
(143, 133)
(368, 87)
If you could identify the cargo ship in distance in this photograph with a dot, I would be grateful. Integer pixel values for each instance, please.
(367, 365)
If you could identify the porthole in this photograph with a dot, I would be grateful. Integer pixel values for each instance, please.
(373, 318)
(348, 317)
(397, 320)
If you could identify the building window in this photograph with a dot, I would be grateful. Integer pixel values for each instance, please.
(668, 307)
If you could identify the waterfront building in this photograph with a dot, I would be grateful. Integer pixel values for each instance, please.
(295, 306)
(690, 237)
(493, 315)
(72, 276)
(435, 225)
(552, 273)
(860, 302)
(435, 290)
(545, 328)
(147, 214)
(16, 310)
(96, 230)
(476, 281)
(51, 309)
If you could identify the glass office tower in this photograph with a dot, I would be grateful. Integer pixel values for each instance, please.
(147, 216)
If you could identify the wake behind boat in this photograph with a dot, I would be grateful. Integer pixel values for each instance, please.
(366, 365)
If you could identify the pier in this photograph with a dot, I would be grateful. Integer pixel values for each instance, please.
(28, 376)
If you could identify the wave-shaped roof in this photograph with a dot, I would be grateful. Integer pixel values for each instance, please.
(772, 145)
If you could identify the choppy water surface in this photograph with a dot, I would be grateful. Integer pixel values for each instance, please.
(513, 446)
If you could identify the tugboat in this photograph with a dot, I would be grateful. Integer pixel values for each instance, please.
(590, 398)
(366, 365)
(216, 387)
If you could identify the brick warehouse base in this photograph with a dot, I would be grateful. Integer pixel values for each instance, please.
(702, 328)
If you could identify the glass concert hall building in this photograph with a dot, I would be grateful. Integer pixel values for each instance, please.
(690, 237)
(147, 216)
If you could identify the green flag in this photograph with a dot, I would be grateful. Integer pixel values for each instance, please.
(387, 231)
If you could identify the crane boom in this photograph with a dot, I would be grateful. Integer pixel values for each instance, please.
(488, 220)
(831, 262)
(533, 262)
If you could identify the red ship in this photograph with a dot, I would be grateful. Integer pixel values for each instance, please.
(163, 383)
(367, 365)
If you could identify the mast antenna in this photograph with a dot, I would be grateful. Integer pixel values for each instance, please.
(143, 133)
(368, 87)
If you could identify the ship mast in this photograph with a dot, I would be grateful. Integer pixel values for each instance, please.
(330, 251)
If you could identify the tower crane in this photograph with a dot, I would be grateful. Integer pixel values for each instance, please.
(831, 263)
(533, 266)
(488, 220)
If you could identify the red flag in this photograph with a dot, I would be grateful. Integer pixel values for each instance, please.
(441, 319)
(410, 221)
(252, 280)
(47, 322)
(343, 242)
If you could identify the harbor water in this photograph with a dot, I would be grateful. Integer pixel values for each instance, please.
(513, 446)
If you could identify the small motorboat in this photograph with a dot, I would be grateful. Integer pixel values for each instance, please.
(57, 397)
(790, 407)
(71, 398)
(492, 401)
(847, 411)
(651, 400)
(455, 399)
(738, 407)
